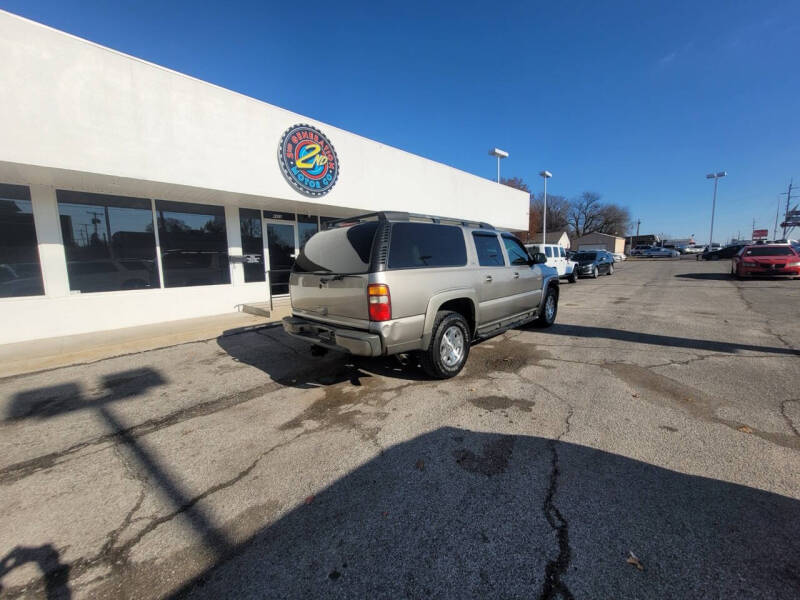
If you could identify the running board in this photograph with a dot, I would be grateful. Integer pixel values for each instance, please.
(498, 327)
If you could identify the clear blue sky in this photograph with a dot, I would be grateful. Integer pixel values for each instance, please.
(634, 100)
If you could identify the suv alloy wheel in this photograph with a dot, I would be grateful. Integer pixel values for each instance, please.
(547, 315)
(449, 347)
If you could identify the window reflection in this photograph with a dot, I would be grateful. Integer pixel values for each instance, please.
(20, 272)
(194, 244)
(109, 242)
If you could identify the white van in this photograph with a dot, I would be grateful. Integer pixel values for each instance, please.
(556, 258)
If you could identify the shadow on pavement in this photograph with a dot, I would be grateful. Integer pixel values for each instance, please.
(290, 362)
(47, 559)
(583, 331)
(52, 401)
(461, 514)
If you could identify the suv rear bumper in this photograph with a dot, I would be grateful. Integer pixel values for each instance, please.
(361, 343)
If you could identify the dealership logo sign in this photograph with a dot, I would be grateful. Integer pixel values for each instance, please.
(308, 160)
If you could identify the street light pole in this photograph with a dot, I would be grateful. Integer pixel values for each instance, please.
(545, 175)
(716, 177)
(499, 154)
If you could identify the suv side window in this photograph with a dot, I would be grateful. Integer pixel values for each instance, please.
(516, 251)
(548, 252)
(562, 252)
(420, 245)
(488, 248)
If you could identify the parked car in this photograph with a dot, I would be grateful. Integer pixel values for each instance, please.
(592, 263)
(639, 250)
(726, 252)
(766, 261)
(658, 252)
(618, 256)
(692, 249)
(556, 258)
(390, 283)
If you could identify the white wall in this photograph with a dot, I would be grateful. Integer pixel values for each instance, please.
(71, 104)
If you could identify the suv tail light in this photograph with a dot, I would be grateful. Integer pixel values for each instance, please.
(380, 303)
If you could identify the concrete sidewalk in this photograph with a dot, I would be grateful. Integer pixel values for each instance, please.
(51, 353)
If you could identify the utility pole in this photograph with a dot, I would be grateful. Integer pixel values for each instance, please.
(777, 211)
(788, 201)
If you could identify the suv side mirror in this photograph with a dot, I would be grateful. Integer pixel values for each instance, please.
(539, 258)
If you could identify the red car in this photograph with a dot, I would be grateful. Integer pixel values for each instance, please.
(766, 261)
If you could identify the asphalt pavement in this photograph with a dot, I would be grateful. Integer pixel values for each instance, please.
(646, 446)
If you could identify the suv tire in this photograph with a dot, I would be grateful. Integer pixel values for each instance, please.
(547, 315)
(610, 270)
(573, 277)
(449, 347)
(595, 273)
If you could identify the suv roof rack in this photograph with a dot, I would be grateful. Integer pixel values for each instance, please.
(393, 216)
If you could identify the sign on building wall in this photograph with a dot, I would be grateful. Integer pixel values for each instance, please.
(308, 160)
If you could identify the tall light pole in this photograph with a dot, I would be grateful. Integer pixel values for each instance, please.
(499, 154)
(716, 177)
(545, 175)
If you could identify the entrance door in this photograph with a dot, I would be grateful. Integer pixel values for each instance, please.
(281, 252)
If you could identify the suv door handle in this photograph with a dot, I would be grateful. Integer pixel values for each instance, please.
(516, 275)
(488, 279)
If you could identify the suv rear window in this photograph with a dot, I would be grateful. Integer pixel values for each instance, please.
(338, 250)
(488, 247)
(420, 245)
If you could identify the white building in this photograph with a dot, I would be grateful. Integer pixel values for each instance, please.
(132, 194)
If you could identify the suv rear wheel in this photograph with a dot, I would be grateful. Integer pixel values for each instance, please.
(449, 347)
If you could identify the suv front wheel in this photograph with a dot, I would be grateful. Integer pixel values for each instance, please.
(549, 309)
(449, 347)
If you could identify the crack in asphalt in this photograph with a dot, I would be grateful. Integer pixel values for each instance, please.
(787, 417)
(553, 585)
(116, 557)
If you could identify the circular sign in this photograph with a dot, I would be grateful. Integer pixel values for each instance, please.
(308, 160)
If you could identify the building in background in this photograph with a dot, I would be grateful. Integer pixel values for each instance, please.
(600, 241)
(131, 194)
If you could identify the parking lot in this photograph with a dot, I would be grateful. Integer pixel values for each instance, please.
(660, 416)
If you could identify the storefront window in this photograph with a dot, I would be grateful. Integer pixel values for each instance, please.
(252, 244)
(306, 227)
(194, 244)
(109, 242)
(20, 271)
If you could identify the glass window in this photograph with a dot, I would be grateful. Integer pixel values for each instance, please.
(306, 227)
(516, 252)
(419, 245)
(109, 242)
(548, 252)
(770, 251)
(562, 252)
(252, 244)
(194, 244)
(338, 250)
(20, 271)
(488, 248)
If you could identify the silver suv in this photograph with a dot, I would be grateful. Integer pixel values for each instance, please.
(390, 283)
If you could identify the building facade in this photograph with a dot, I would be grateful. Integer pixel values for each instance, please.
(131, 194)
(600, 241)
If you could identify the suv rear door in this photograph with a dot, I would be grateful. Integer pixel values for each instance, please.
(329, 281)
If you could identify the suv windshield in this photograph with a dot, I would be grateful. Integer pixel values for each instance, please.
(339, 250)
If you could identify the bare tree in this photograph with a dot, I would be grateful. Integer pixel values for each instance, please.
(557, 213)
(588, 215)
(515, 182)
